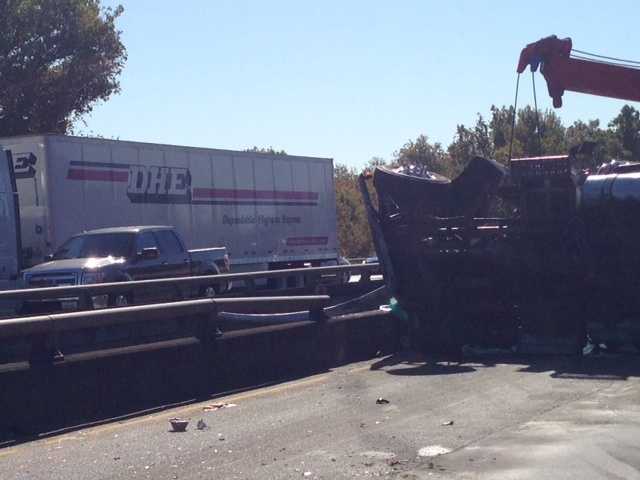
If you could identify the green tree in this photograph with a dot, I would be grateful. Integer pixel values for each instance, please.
(354, 234)
(422, 152)
(493, 138)
(57, 59)
(377, 162)
(500, 126)
(470, 142)
(608, 144)
(270, 150)
(626, 127)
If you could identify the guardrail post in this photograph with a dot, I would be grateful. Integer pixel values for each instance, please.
(312, 282)
(84, 301)
(44, 350)
(317, 314)
(207, 332)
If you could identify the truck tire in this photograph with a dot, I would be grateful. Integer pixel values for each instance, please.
(120, 300)
(211, 291)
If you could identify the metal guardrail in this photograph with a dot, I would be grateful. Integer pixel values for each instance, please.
(313, 274)
(43, 329)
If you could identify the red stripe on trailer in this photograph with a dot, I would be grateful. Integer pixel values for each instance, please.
(304, 241)
(97, 175)
(254, 194)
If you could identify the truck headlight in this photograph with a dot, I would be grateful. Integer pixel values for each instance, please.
(92, 277)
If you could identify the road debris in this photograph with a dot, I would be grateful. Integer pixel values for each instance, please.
(221, 437)
(307, 474)
(447, 423)
(217, 406)
(382, 401)
(202, 425)
(433, 451)
(178, 424)
(379, 455)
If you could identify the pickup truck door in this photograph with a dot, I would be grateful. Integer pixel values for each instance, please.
(142, 268)
(174, 255)
(147, 269)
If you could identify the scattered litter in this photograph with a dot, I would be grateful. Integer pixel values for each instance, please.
(379, 455)
(217, 406)
(307, 474)
(221, 437)
(433, 451)
(202, 425)
(382, 401)
(178, 425)
(447, 423)
(589, 349)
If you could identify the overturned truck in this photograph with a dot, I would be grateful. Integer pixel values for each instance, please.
(536, 255)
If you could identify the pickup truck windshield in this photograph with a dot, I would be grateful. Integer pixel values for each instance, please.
(96, 245)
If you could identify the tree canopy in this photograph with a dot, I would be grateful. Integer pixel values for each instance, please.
(354, 235)
(490, 138)
(269, 150)
(57, 59)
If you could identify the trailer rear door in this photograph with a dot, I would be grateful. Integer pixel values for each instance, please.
(9, 223)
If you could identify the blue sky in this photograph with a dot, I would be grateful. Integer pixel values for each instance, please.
(347, 80)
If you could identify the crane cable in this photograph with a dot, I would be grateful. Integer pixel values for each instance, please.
(622, 61)
(535, 104)
(581, 55)
(515, 112)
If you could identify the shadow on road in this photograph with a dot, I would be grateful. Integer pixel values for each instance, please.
(410, 364)
(597, 367)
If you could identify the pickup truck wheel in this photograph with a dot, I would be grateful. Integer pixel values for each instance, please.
(120, 300)
(209, 292)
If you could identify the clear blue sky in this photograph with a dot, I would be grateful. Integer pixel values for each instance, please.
(347, 80)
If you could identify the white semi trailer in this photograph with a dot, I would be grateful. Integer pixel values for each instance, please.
(270, 211)
(9, 224)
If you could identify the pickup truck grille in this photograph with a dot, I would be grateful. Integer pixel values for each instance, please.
(51, 280)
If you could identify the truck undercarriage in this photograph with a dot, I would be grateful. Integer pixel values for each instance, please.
(538, 254)
(533, 256)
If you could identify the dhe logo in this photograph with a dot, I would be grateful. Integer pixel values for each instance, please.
(154, 184)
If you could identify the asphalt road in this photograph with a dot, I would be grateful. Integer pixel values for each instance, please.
(512, 419)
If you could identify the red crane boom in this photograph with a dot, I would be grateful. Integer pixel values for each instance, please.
(564, 72)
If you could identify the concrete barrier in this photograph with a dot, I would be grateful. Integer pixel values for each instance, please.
(112, 381)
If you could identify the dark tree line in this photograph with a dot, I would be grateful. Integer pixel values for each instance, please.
(57, 59)
(491, 138)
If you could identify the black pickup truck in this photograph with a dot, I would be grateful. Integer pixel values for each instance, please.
(122, 254)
